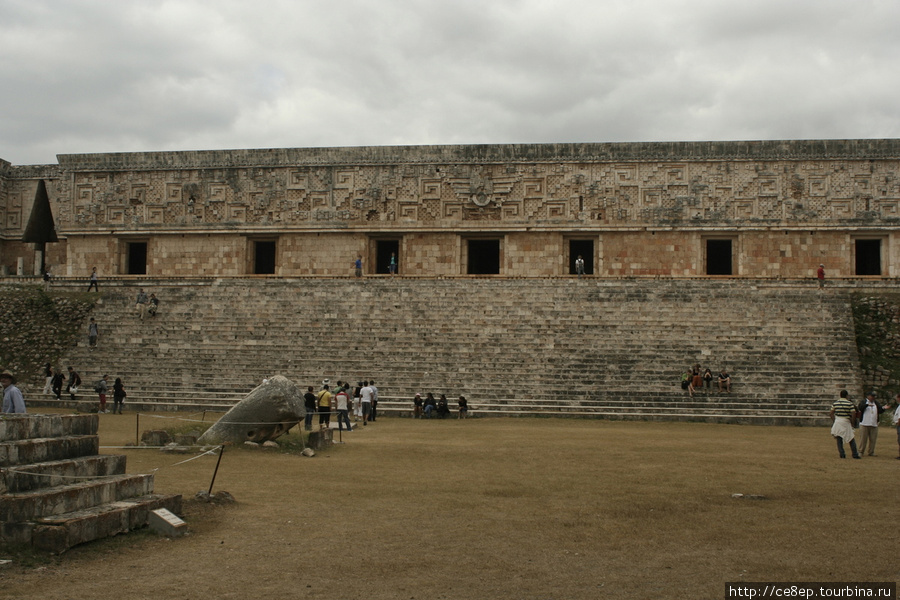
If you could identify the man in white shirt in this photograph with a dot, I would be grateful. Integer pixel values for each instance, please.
(365, 399)
(869, 411)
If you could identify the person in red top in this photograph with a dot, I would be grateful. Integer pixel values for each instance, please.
(820, 274)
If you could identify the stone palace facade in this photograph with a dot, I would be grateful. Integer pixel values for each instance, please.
(770, 209)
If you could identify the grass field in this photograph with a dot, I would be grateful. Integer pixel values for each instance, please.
(499, 508)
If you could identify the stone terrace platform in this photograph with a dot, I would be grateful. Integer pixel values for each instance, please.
(602, 348)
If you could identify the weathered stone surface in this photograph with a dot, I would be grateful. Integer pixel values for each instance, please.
(267, 412)
(320, 439)
(155, 437)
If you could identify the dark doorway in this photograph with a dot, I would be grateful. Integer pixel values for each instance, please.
(484, 257)
(585, 249)
(718, 257)
(868, 257)
(383, 250)
(137, 258)
(264, 258)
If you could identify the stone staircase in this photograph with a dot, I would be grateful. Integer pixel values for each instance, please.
(557, 347)
(56, 491)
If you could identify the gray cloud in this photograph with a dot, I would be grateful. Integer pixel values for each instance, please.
(95, 76)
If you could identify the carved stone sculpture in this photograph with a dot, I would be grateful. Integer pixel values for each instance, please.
(267, 413)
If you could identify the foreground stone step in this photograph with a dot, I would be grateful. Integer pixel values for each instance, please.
(24, 478)
(58, 533)
(31, 451)
(17, 427)
(45, 502)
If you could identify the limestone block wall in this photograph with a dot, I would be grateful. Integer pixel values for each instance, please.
(534, 255)
(650, 208)
(321, 253)
(434, 254)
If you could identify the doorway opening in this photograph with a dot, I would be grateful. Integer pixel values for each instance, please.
(585, 249)
(137, 258)
(263, 258)
(719, 257)
(484, 257)
(383, 251)
(868, 257)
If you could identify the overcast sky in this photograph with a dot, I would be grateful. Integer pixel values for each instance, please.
(80, 76)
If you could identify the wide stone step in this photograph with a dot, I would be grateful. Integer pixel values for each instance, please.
(60, 472)
(60, 532)
(45, 502)
(30, 451)
(29, 426)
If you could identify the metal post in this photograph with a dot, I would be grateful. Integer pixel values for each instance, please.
(221, 451)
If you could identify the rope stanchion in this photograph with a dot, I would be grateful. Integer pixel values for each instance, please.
(221, 452)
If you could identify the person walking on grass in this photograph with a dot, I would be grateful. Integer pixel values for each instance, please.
(843, 413)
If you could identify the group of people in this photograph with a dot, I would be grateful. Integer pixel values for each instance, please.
(847, 417)
(427, 407)
(146, 305)
(55, 379)
(696, 379)
(361, 400)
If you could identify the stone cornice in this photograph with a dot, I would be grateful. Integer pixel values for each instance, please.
(485, 154)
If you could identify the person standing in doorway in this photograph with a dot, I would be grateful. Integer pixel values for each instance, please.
(392, 268)
(579, 266)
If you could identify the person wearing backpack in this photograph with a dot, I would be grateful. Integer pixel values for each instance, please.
(101, 387)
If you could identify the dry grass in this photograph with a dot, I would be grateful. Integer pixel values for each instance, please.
(502, 508)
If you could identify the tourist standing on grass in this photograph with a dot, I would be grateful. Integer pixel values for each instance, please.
(309, 403)
(101, 389)
(13, 401)
(324, 399)
(93, 334)
(374, 400)
(94, 282)
(869, 411)
(118, 396)
(842, 414)
(342, 404)
(48, 375)
(365, 400)
(357, 401)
